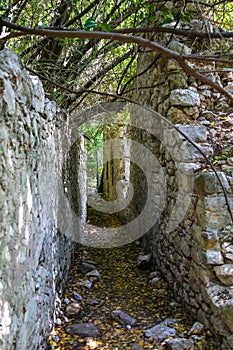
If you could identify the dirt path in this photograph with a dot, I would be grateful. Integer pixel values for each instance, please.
(122, 286)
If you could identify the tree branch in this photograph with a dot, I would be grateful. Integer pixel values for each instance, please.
(189, 33)
(123, 38)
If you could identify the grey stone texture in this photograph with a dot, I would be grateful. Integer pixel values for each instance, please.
(192, 242)
(35, 253)
(159, 333)
(123, 318)
(83, 330)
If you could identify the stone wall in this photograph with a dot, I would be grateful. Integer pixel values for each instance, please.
(35, 255)
(194, 254)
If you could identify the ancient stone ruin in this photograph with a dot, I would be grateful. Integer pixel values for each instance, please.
(194, 254)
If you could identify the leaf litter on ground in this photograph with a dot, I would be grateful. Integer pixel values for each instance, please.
(122, 286)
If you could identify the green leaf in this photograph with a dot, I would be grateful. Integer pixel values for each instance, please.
(105, 27)
(186, 18)
(90, 23)
(168, 16)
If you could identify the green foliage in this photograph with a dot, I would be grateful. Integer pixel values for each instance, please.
(80, 64)
(90, 23)
(3, 8)
(94, 145)
(168, 16)
(105, 27)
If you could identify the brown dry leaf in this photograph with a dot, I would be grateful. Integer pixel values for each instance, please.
(122, 286)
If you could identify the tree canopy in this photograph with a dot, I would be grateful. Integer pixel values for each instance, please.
(89, 48)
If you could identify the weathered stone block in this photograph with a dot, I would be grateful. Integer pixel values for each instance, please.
(207, 239)
(206, 183)
(197, 133)
(185, 98)
(83, 330)
(179, 47)
(212, 257)
(179, 344)
(159, 333)
(176, 80)
(227, 314)
(31, 164)
(176, 115)
(186, 152)
(212, 212)
(218, 326)
(225, 274)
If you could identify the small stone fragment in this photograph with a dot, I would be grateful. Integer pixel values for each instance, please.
(144, 261)
(197, 328)
(55, 338)
(77, 296)
(154, 274)
(123, 318)
(83, 329)
(155, 280)
(159, 333)
(86, 267)
(58, 322)
(86, 283)
(72, 309)
(179, 344)
(66, 301)
(170, 322)
(94, 273)
(90, 262)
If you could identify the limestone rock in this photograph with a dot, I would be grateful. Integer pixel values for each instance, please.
(86, 267)
(228, 151)
(144, 261)
(213, 257)
(225, 274)
(72, 309)
(38, 101)
(176, 115)
(93, 273)
(208, 239)
(184, 97)
(159, 333)
(77, 296)
(155, 280)
(179, 47)
(177, 80)
(86, 283)
(197, 133)
(179, 344)
(58, 322)
(230, 161)
(206, 183)
(197, 328)
(123, 318)
(174, 322)
(227, 314)
(83, 329)
(66, 301)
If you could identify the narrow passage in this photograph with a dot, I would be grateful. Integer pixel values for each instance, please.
(105, 280)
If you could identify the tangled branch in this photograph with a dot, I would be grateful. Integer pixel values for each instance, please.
(82, 34)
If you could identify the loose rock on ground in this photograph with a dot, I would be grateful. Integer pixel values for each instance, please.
(125, 307)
